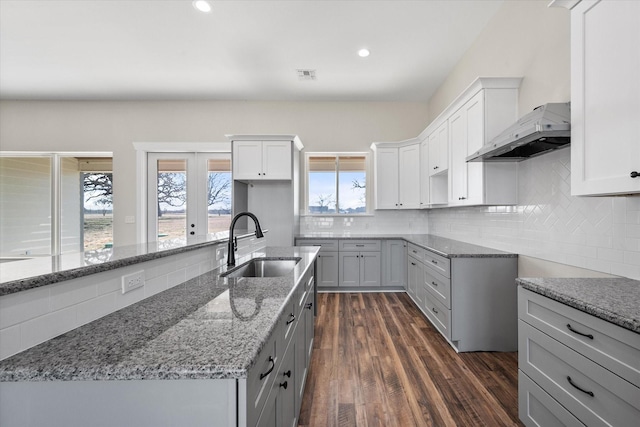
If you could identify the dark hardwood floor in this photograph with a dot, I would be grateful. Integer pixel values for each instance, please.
(377, 361)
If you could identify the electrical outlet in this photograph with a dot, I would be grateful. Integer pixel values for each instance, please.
(132, 281)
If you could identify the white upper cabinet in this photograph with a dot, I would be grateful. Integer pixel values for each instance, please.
(262, 160)
(439, 150)
(605, 97)
(482, 115)
(397, 175)
(424, 173)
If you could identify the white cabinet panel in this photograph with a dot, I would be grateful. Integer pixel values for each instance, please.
(605, 97)
(397, 175)
(262, 160)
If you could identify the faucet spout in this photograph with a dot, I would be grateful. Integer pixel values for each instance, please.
(231, 256)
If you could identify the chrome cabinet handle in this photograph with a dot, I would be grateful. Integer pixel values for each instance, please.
(578, 332)
(273, 365)
(590, 393)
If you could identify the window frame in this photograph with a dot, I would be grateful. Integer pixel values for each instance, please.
(338, 154)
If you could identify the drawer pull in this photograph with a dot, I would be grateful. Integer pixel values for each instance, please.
(292, 318)
(590, 393)
(434, 283)
(359, 246)
(413, 263)
(273, 365)
(434, 310)
(284, 385)
(308, 305)
(579, 333)
(415, 252)
(434, 261)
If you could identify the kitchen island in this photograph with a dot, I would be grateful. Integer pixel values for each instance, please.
(205, 352)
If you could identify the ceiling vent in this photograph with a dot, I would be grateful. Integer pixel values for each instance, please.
(306, 74)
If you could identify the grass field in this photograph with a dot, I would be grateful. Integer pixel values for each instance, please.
(98, 229)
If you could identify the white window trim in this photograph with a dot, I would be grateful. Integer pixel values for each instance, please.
(368, 189)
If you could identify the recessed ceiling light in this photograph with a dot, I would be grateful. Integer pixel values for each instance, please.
(363, 53)
(202, 5)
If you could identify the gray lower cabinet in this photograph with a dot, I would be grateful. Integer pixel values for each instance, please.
(326, 262)
(394, 260)
(470, 300)
(359, 269)
(574, 368)
(277, 388)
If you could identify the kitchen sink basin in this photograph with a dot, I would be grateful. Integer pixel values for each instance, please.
(260, 267)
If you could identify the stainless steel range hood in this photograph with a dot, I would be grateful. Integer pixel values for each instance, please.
(546, 128)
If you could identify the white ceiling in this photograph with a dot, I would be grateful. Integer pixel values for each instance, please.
(242, 50)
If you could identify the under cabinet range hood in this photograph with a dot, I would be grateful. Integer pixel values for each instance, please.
(546, 128)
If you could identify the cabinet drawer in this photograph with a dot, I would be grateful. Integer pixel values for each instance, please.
(288, 321)
(537, 408)
(609, 345)
(438, 285)
(326, 245)
(416, 251)
(438, 263)
(360, 245)
(438, 314)
(593, 394)
(260, 377)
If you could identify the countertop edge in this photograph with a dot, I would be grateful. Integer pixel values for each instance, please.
(581, 305)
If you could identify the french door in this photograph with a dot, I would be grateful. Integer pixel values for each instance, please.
(189, 195)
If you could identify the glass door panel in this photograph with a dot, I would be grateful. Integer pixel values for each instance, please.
(218, 195)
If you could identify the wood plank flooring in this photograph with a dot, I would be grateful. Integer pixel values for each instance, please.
(377, 361)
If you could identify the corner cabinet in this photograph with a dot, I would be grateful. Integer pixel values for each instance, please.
(397, 174)
(605, 97)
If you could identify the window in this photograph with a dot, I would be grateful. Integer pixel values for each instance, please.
(336, 183)
(53, 203)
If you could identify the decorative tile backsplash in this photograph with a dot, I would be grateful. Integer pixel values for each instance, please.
(383, 222)
(597, 233)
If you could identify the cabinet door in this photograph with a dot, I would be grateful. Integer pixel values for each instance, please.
(474, 111)
(457, 164)
(349, 269)
(438, 150)
(409, 176)
(413, 277)
(327, 267)
(247, 160)
(605, 97)
(276, 160)
(424, 173)
(395, 264)
(285, 384)
(386, 178)
(370, 268)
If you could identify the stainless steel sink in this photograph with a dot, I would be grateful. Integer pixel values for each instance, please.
(260, 267)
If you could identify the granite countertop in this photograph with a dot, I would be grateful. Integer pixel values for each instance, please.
(206, 328)
(16, 276)
(616, 300)
(447, 248)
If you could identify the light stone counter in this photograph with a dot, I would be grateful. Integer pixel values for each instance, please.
(16, 276)
(616, 300)
(206, 328)
(447, 248)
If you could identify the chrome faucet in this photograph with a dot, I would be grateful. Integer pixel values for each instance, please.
(233, 242)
